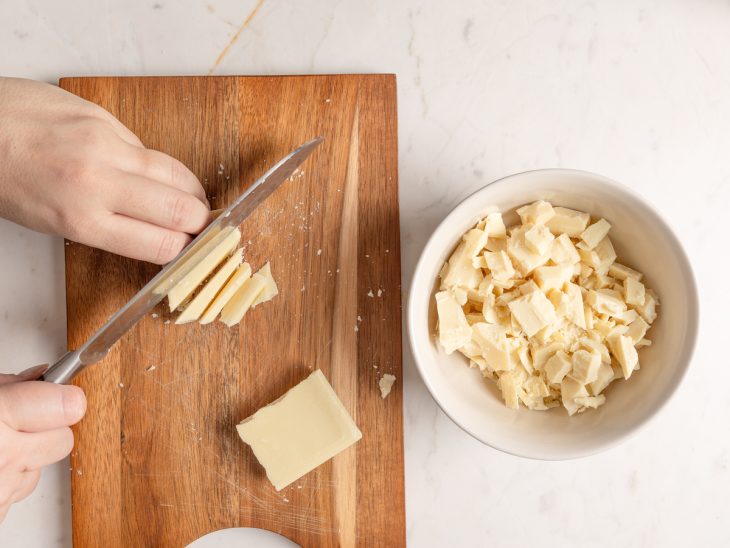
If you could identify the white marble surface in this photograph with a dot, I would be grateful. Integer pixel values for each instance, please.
(637, 90)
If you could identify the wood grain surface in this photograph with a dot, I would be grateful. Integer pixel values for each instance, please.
(157, 460)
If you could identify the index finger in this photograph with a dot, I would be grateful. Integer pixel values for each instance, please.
(37, 406)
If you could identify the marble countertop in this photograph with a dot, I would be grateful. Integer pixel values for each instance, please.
(638, 91)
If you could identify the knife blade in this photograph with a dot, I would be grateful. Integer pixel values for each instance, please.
(156, 289)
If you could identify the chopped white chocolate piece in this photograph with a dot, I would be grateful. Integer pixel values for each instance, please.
(534, 392)
(603, 379)
(240, 276)
(648, 309)
(570, 389)
(205, 297)
(494, 226)
(271, 290)
(557, 367)
(591, 401)
(606, 255)
(533, 311)
(553, 277)
(622, 348)
(542, 353)
(539, 239)
(568, 221)
(460, 270)
(563, 251)
(499, 265)
(637, 329)
(606, 301)
(576, 312)
(585, 366)
(474, 242)
(526, 259)
(235, 309)
(511, 387)
(386, 384)
(496, 244)
(454, 330)
(634, 292)
(227, 242)
(627, 316)
(295, 434)
(492, 341)
(595, 345)
(460, 295)
(621, 272)
(539, 212)
(595, 233)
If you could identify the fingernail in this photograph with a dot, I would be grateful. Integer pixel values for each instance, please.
(74, 403)
(33, 373)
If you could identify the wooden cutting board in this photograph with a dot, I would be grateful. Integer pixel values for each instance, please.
(157, 460)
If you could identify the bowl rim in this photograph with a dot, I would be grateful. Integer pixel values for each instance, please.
(692, 331)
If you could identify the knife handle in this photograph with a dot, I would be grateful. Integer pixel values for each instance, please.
(64, 369)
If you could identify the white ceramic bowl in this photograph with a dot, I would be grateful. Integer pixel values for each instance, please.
(643, 240)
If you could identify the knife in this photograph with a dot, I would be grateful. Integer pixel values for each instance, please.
(71, 363)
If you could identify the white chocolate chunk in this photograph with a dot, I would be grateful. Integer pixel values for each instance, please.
(606, 255)
(591, 401)
(553, 277)
(557, 367)
(459, 271)
(595, 345)
(494, 225)
(621, 272)
(563, 251)
(454, 330)
(533, 311)
(240, 276)
(499, 265)
(539, 239)
(622, 348)
(585, 366)
(227, 242)
(492, 341)
(511, 388)
(592, 235)
(576, 310)
(525, 259)
(570, 389)
(568, 221)
(295, 434)
(234, 311)
(496, 244)
(270, 290)
(386, 384)
(534, 392)
(603, 379)
(648, 309)
(460, 295)
(637, 329)
(606, 301)
(626, 317)
(634, 292)
(539, 212)
(205, 296)
(542, 353)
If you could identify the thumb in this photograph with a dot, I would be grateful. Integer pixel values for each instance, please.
(37, 406)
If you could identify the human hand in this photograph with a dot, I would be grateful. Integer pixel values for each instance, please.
(34, 431)
(69, 167)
